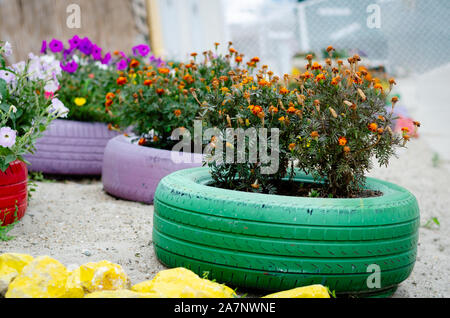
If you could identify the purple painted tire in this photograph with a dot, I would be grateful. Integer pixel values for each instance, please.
(133, 172)
(71, 148)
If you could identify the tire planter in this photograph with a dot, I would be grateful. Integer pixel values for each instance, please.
(272, 242)
(132, 172)
(71, 148)
(13, 192)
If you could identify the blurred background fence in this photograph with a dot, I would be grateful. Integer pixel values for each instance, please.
(413, 36)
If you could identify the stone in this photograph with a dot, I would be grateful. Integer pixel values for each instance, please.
(11, 264)
(313, 291)
(94, 277)
(183, 283)
(44, 277)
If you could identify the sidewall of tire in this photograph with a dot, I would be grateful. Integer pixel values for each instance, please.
(71, 148)
(276, 242)
(132, 172)
(13, 193)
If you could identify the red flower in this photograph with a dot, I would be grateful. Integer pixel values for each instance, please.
(122, 80)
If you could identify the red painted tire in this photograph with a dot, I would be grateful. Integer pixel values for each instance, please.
(13, 192)
(71, 148)
(133, 172)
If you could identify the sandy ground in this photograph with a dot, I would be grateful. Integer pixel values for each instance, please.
(76, 222)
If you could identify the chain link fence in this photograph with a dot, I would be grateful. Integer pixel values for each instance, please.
(406, 36)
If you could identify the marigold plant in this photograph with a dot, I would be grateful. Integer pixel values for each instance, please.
(345, 123)
(250, 100)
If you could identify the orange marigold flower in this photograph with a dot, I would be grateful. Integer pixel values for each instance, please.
(373, 127)
(110, 95)
(160, 91)
(108, 102)
(330, 48)
(316, 66)
(380, 131)
(194, 54)
(263, 83)
(238, 59)
(273, 109)
(255, 59)
(141, 141)
(255, 109)
(335, 80)
(122, 80)
(394, 99)
(392, 81)
(148, 82)
(163, 70)
(284, 91)
(177, 112)
(309, 57)
(405, 129)
(314, 134)
(320, 77)
(292, 146)
(342, 141)
(378, 86)
(134, 63)
(291, 110)
(346, 149)
(282, 118)
(406, 137)
(155, 138)
(307, 75)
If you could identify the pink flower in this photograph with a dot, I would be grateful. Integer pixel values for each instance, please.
(7, 137)
(49, 95)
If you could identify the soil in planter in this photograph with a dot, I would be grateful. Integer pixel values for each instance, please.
(311, 190)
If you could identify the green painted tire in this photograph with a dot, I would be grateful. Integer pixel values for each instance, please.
(273, 242)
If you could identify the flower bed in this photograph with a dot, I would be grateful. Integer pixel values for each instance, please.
(133, 172)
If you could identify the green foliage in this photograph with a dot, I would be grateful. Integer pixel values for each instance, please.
(24, 110)
(157, 100)
(432, 223)
(4, 230)
(90, 82)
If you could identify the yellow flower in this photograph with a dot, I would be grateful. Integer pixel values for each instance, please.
(80, 101)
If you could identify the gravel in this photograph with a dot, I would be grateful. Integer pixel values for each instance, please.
(76, 222)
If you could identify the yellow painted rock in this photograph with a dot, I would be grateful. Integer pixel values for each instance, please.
(182, 283)
(122, 293)
(44, 277)
(94, 277)
(11, 265)
(313, 291)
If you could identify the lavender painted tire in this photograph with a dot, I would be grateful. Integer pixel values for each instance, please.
(71, 148)
(133, 172)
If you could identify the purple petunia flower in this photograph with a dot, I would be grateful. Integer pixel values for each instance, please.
(141, 49)
(44, 47)
(123, 64)
(106, 59)
(86, 46)
(97, 53)
(70, 67)
(157, 61)
(7, 137)
(67, 53)
(56, 46)
(74, 42)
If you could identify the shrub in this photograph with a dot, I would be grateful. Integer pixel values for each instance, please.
(345, 123)
(250, 99)
(26, 104)
(155, 99)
